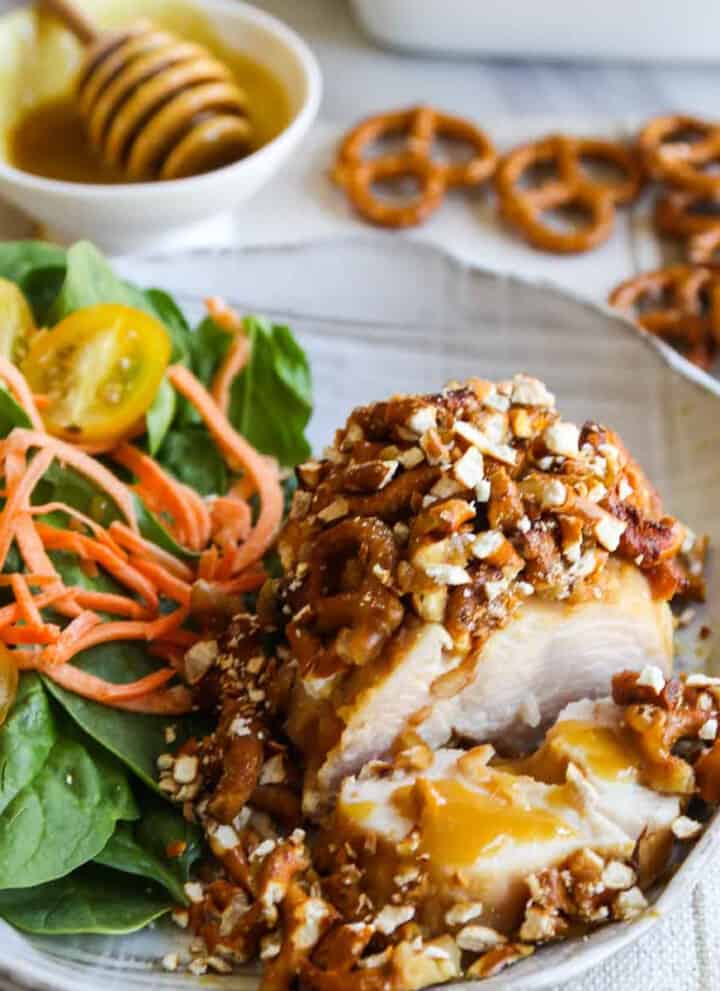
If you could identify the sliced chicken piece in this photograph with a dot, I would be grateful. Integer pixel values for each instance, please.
(463, 831)
(556, 654)
(375, 709)
(548, 654)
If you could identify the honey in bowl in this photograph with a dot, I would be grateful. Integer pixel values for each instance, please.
(50, 138)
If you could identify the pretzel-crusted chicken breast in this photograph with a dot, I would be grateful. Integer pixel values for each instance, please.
(416, 773)
(465, 565)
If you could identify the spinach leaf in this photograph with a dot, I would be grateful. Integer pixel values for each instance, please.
(160, 416)
(93, 899)
(19, 258)
(90, 280)
(61, 484)
(65, 815)
(26, 738)
(210, 344)
(152, 529)
(162, 824)
(134, 738)
(167, 310)
(11, 413)
(192, 457)
(41, 287)
(142, 849)
(271, 399)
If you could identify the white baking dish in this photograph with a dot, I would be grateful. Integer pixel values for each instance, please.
(632, 29)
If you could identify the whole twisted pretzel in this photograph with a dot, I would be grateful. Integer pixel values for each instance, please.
(702, 248)
(420, 125)
(678, 212)
(572, 187)
(670, 155)
(345, 598)
(687, 310)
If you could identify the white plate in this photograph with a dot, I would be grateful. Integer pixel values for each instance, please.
(380, 315)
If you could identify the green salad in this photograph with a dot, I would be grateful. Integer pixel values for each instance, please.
(157, 451)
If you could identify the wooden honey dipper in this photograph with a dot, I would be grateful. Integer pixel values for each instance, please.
(156, 107)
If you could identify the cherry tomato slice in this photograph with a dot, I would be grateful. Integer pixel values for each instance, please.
(16, 322)
(100, 369)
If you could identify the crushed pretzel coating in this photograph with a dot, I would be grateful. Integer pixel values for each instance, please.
(448, 510)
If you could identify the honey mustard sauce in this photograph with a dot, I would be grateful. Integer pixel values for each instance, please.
(459, 825)
(50, 139)
(606, 752)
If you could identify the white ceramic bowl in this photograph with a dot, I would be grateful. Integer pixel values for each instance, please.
(134, 216)
(553, 29)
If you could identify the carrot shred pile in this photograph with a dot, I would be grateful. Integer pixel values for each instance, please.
(225, 547)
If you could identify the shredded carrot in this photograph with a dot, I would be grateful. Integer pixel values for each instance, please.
(18, 499)
(15, 464)
(46, 634)
(20, 390)
(25, 658)
(11, 613)
(22, 439)
(89, 686)
(98, 531)
(76, 629)
(26, 604)
(232, 520)
(171, 587)
(202, 513)
(88, 549)
(30, 578)
(138, 545)
(234, 362)
(208, 563)
(223, 314)
(159, 488)
(236, 448)
(41, 402)
(173, 702)
(121, 630)
(31, 547)
(116, 605)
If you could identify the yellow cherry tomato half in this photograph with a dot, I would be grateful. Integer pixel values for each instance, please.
(100, 369)
(16, 322)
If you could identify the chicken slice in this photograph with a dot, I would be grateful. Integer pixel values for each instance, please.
(467, 832)
(548, 654)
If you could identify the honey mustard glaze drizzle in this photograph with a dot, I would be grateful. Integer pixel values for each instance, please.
(50, 139)
(459, 824)
(604, 751)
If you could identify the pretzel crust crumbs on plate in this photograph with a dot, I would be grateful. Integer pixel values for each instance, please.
(413, 855)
